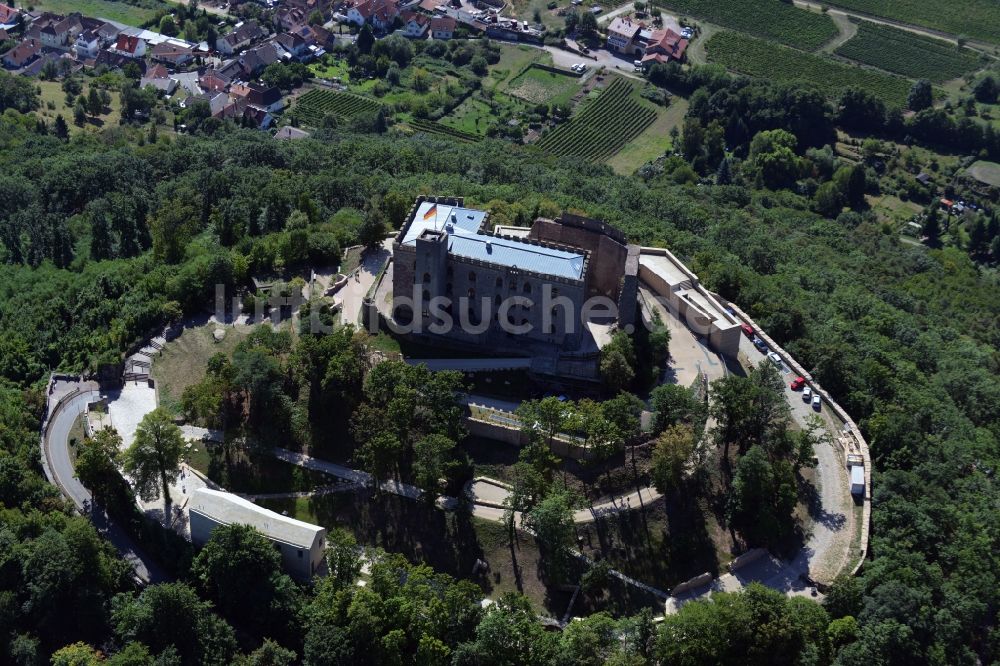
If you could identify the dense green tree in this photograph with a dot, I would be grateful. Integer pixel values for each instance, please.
(762, 499)
(921, 96)
(671, 457)
(234, 555)
(551, 520)
(152, 460)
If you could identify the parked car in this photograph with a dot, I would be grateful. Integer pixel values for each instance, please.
(747, 330)
(774, 358)
(797, 383)
(817, 402)
(807, 394)
(759, 344)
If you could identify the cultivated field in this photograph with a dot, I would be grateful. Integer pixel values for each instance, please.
(602, 127)
(316, 103)
(979, 19)
(770, 19)
(756, 57)
(909, 54)
(542, 86)
(433, 127)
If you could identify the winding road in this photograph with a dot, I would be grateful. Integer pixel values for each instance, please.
(59, 469)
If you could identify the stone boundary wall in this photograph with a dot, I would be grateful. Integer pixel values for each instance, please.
(850, 427)
(697, 581)
(515, 437)
(746, 558)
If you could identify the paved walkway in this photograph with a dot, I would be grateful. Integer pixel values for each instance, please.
(67, 402)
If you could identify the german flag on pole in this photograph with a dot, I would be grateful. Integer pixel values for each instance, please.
(431, 212)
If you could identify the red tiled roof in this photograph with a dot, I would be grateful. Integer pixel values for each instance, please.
(8, 14)
(667, 42)
(24, 52)
(439, 23)
(127, 43)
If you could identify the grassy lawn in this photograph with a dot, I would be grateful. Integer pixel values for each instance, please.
(474, 116)
(183, 360)
(513, 59)
(77, 433)
(52, 95)
(337, 69)
(539, 86)
(106, 9)
(654, 140)
(986, 172)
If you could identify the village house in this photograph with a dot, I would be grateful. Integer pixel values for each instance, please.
(379, 13)
(22, 54)
(664, 46)
(415, 25)
(172, 54)
(287, 17)
(9, 17)
(241, 37)
(443, 27)
(130, 46)
(295, 44)
(289, 133)
(263, 97)
(213, 80)
(87, 45)
(158, 77)
(623, 36)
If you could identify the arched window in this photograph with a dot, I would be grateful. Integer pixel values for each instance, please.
(427, 278)
(499, 282)
(472, 292)
(472, 277)
(526, 288)
(513, 283)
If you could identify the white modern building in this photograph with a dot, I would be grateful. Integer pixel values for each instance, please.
(302, 545)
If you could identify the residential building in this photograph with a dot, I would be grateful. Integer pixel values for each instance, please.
(158, 77)
(22, 54)
(295, 44)
(623, 36)
(379, 13)
(258, 95)
(664, 46)
(87, 45)
(9, 17)
(302, 546)
(287, 17)
(171, 53)
(443, 27)
(130, 46)
(415, 25)
(242, 36)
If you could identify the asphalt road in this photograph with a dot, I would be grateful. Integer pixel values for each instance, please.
(55, 447)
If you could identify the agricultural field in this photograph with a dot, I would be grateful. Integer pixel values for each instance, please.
(602, 127)
(909, 54)
(770, 19)
(433, 127)
(652, 142)
(111, 10)
(756, 57)
(978, 19)
(313, 105)
(541, 86)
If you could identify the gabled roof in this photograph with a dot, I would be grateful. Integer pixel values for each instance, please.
(229, 509)
(157, 71)
(169, 51)
(288, 132)
(8, 14)
(419, 19)
(23, 52)
(443, 23)
(127, 43)
(624, 25)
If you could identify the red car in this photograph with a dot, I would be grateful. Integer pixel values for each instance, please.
(797, 383)
(747, 330)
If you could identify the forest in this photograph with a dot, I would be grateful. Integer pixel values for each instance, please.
(105, 238)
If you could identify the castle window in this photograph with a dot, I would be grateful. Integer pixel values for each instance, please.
(499, 282)
(427, 278)
(472, 277)
(513, 284)
(526, 288)
(472, 292)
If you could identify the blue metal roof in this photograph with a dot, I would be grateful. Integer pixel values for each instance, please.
(466, 240)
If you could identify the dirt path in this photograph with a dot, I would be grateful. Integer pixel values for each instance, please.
(926, 32)
(847, 28)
